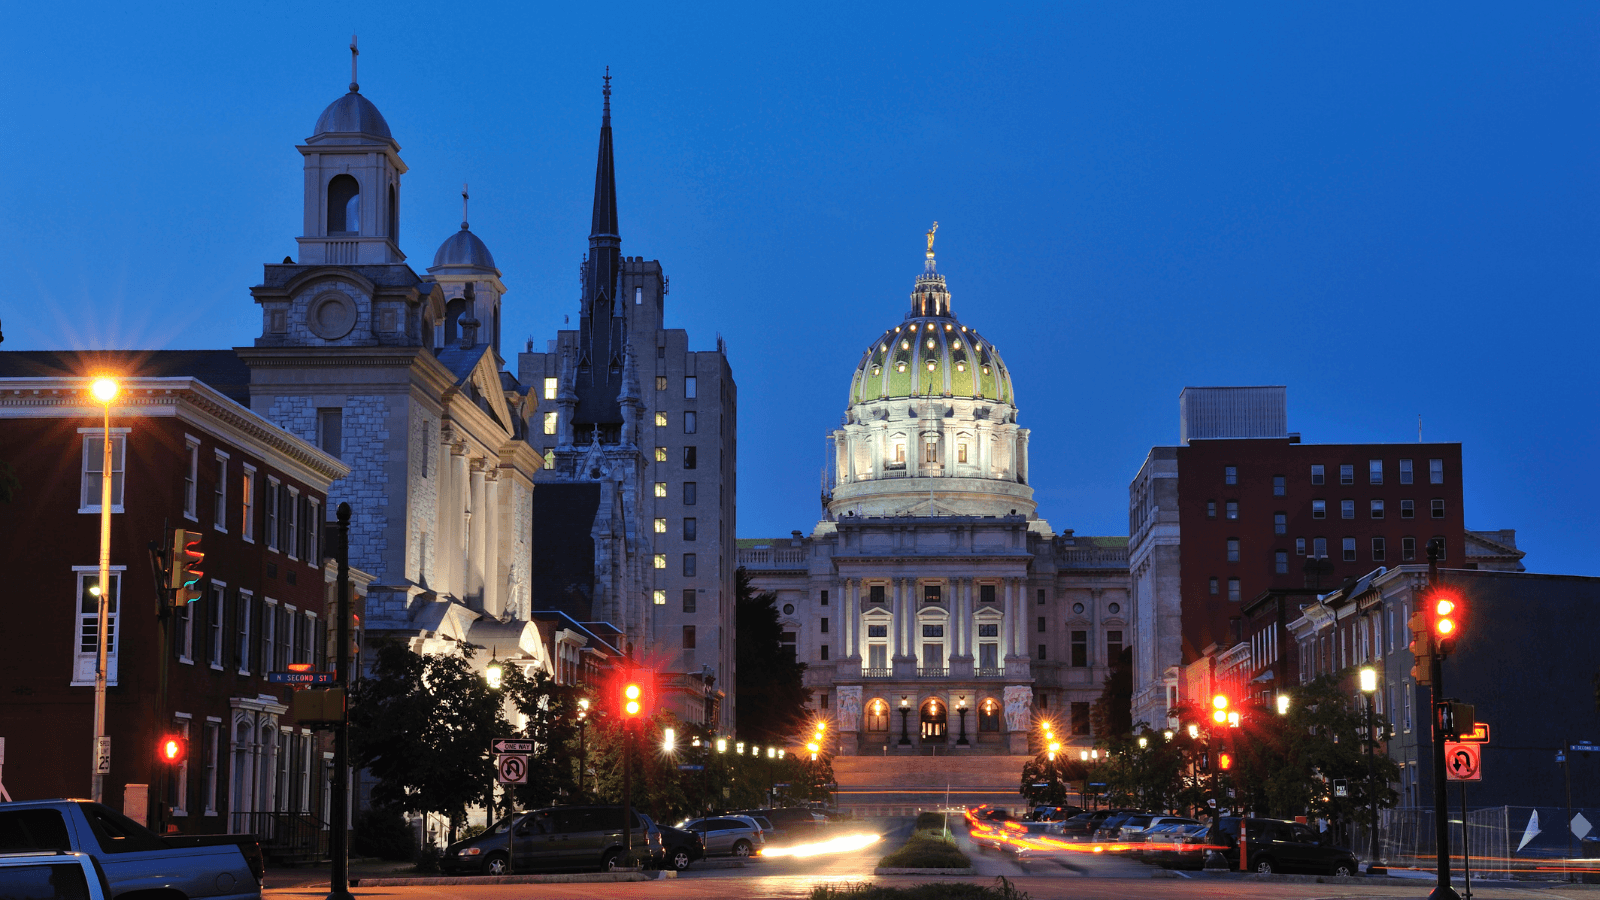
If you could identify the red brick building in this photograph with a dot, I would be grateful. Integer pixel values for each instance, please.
(186, 455)
(1260, 515)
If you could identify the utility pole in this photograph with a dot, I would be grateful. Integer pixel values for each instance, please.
(339, 809)
(627, 765)
(1441, 809)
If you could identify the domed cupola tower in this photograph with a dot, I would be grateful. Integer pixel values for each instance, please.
(465, 271)
(931, 428)
(352, 185)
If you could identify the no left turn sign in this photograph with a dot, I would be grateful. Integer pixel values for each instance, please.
(511, 768)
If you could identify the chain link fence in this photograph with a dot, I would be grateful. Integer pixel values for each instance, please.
(1538, 843)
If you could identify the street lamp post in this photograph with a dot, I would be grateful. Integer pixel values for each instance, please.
(583, 749)
(961, 713)
(905, 722)
(1369, 686)
(104, 390)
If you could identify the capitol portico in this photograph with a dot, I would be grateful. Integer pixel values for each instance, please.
(933, 606)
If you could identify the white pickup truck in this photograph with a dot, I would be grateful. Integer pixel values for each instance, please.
(138, 864)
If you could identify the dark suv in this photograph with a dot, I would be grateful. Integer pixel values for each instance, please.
(1275, 845)
(562, 837)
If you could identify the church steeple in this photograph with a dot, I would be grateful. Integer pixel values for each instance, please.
(603, 324)
(605, 179)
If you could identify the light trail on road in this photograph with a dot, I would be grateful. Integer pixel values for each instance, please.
(843, 844)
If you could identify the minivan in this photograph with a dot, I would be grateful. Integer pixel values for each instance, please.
(560, 837)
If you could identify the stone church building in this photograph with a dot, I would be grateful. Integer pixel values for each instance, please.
(932, 604)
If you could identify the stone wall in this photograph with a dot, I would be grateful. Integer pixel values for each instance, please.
(422, 477)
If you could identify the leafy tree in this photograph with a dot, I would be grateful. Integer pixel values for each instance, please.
(1112, 713)
(422, 725)
(770, 696)
(1154, 775)
(657, 789)
(550, 711)
(1047, 782)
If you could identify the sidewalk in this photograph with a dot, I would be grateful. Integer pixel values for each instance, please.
(313, 876)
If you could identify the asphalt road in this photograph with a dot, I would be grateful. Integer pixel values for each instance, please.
(1094, 877)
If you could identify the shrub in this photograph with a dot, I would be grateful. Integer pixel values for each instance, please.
(930, 821)
(925, 851)
(428, 859)
(382, 832)
(933, 890)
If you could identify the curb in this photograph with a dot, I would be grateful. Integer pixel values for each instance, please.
(887, 870)
(591, 878)
(1386, 880)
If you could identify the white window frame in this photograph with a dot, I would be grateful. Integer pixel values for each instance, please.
(550, 422)
(310, 648)
(219, 514)
(1406, 473)
(191, 481)
(1436, 471)
(661, 420)
(244, 603)
(550, 388)
(292, 637)
(273, 512)
(294, 522)
(209, 748)
(314, 532)
(89, 489)
(183, 724)
(217, 633)
(247, 501)
(269, 634)
(185, 630)
(84, 663)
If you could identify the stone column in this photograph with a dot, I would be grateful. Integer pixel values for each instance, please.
(494, 598)
(452, 540)
(877, 437)
(848, 601)
(850, 436)
(1022, 456)
(983, 449)
(913, 448)
(947, 447)
(1010, 628)
(473, 574)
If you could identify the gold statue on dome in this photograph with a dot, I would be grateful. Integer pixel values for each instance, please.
(931, 232)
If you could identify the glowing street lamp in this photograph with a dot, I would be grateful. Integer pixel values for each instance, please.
(104, 390)
(1283, 704)
(722, 745)
(493, 673)
(669, 739)
(1143, 742)
(1194, 731)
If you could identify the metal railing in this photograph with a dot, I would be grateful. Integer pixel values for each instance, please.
(990, 672)
(876, 673)
(285, 834)
(933, 672)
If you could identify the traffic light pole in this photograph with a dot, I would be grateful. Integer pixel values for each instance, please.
(339, 809)
(1441, 810)
(627, 766)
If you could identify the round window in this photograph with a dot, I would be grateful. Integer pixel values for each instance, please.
(788, 609)
(1114, 608)
(331, 315)
(1077, 608)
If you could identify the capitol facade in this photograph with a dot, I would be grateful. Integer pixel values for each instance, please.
(935, 610)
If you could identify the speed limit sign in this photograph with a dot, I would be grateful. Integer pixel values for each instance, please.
(511, 768)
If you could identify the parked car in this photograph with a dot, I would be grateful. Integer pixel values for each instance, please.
(1052, 813)
(1079, 827)
(132, 857)
(1111, 827)
(1133, 828)
(679, 848)
(1275, 845)
(51, 874)
(1176, 846)
(731, 835)
(555, 838)
(791, 822)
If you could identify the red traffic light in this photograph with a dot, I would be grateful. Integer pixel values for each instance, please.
(632, 700)
(1225, 761)
(172, 749)
(1446, 615)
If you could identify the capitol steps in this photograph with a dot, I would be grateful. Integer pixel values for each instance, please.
(901, 785)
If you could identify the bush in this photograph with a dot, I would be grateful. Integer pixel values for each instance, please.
(428, 859)
(934, 890)
(926, 851)
(382, 832)
(930, 821)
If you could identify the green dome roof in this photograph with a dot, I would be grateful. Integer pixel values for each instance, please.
(931, 356)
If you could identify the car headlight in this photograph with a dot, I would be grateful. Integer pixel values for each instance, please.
(469, 851)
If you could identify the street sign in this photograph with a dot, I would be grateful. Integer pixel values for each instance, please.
(1561, 757)
(510, 745)
(1462, 762)
(1585, 747)
(511, 768)
(688, 768)
(1341, 787)
(1097, 784)
(1479, 735)
(102, 755)
(301, 677)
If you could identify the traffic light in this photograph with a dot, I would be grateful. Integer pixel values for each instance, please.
(1219, 709)
(1224, 761)
(1447, 608)
(632, 700)
(172, 749)
(184, 577)
(1421, 648)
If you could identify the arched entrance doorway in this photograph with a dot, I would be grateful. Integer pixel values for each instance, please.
(934, 718)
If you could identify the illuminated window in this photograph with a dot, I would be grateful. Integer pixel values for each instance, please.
(659, 598)
(961, 453)
(661, 420)
(661, 489)
(661, 560)
(549, 388)
(661, 526)
(550, 458)
(661, 382)
(661, 454)
(899, 453)
(930, 453)
(549, 423)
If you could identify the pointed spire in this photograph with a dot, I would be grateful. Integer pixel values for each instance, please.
(353, 54)
(463, 206)
(605, 177)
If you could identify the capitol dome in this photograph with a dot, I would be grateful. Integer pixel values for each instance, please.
(931, 427)
(352, 114)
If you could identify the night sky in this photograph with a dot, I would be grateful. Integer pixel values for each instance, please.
(1391, 209)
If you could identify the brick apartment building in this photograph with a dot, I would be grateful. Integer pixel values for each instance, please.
(1241, 523)
(187, 454)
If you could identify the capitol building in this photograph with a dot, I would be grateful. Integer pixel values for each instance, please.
(937, 612)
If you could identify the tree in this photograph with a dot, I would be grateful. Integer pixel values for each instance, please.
(1046, 781)
(551, 713)
(1150, 776)
(769, 693)
(1112, 713)
(422, 724)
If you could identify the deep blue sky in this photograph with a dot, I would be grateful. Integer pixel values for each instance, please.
(1389, 208)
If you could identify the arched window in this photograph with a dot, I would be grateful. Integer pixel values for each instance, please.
(344, 205)
(877, 716)
(394, 216)
(452, 318)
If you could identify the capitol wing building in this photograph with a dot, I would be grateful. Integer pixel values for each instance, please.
(936, 611)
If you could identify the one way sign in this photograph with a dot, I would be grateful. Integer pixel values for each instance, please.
(509, 745)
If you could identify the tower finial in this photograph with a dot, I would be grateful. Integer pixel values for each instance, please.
(463, 206)
(931, 232)
(353, 54)
(607, 92)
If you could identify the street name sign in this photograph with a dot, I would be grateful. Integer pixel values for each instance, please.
(302, 677)
(689, 768)
(511, 768)
(1585, 747)
(511, 745)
